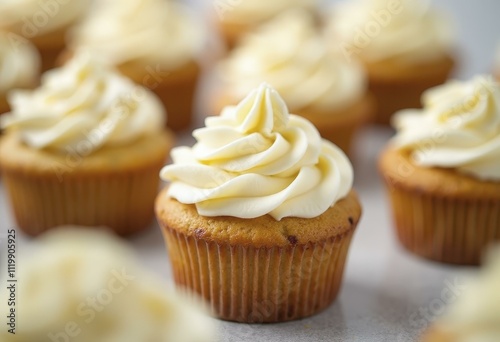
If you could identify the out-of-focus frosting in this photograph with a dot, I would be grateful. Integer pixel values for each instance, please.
(148, 31)
(31, 18)
(475, 316)
(289, 54)
(459, 127)
(83, 103)
(90, 281)
(406, 30)
(19, 62)
(257, 159)
(256, 11)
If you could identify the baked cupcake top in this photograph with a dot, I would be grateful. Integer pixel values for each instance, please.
(408, 31)
(257, 159)
(143, 31)
(289, 54)
(32, 18)
(475, 316)
(458, 127)
(256, 11)
(91, 282)
(19, 62)
(86, 103)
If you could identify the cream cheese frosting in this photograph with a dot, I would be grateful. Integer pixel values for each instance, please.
(147, 31)
(19, 62)
(409, 31)
(289, 54)
(83, 102)
(458, 127)
(31, 18)
(257, 159)
(89, 283)
(256, 11)
(475, 316)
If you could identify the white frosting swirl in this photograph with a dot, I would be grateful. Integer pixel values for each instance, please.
(151, 31)
(459, 127)
(475, 316)
(289, 54)
(31, 18)
(83, 101)
(19, 62)
(93, 280)
(408, 30)
(256, 159)
(256, 11)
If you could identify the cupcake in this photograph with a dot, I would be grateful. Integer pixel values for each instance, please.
(475, 316)
(80, 285)
(84, 148)
(259, 213)
(289, 54)
(156, 43)
(44, 23)
(405, 46)
(19, 65)
(236, 18)
(442, 171)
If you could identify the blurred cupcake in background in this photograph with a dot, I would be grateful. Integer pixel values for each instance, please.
(289, 54)
(442, 170)
(405, 46)
(84, 148)
(19, 65)
(156, 43)
(44, 23)
(80, 285)
(475, 316)
(236, 18)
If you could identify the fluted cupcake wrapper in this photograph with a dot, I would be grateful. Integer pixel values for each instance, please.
(121, 201)
(257, 285)
(445, 229)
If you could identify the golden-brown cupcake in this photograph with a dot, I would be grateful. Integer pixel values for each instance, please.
(44, 23)
(237, 18)
(289, 54)
(84, 149)
(259, 214)
(19, 67)
(405, 46)
(475, 315)
(156, 43)
(442, 171)
(83, 285)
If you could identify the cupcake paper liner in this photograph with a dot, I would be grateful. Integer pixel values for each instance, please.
(257, 285)
(121, 201)
(445, 229)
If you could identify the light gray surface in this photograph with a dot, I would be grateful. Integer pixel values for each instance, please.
(387, 294)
